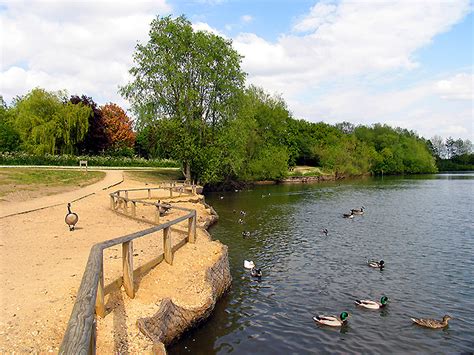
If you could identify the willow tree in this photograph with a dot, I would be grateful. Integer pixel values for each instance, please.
(48, 125)
(187, 79)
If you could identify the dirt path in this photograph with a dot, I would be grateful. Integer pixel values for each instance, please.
(112, 177)
(41, 264)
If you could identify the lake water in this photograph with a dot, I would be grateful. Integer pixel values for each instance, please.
(421, 226)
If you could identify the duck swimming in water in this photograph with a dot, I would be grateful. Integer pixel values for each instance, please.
(249, 264)
(432, 323)
(358, 211)
(256, 272)
(348, 215)
(332, 321)
(376, 264)
(245, 234)
(372, 304)
(325, 231)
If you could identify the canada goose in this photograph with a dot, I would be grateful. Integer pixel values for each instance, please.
(372, 304)
(376, 264)
(240, 221)
(243, 213)
(163, 207)
(358, 211)
(348, 215)
(432, 323)
(256, 272)
(71, 218)
(325, 231)
(332, 321)
(245, 234)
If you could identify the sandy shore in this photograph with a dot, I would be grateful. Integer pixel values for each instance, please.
(42, 264)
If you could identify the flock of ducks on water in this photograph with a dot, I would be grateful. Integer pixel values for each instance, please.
(340, 321)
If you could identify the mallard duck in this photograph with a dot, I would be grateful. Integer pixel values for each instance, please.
(358, 211)
(348, 215)
(71, 218)
(372, 304)
(256, 272)
(332, 321)
(249, 264)
(376, 264)
(432, 323)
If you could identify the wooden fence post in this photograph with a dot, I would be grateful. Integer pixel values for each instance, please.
(92, 346)
(134, 208)
(112, 202)
(157, 215)
(99, 301)
(126, 206)
(149, 194)
(167, 245)
(127, 263)
(192, 228)
(171, 191)
(126, 194)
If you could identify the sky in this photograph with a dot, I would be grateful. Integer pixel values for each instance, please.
(406, 63)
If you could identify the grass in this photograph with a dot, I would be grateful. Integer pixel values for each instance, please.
(26, 179)
(156, 175)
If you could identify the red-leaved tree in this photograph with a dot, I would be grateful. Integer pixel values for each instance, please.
(118, 126)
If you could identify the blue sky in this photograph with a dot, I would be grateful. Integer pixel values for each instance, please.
(400, 62)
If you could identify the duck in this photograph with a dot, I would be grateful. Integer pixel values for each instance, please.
(245, 234)
(240, 221)
(243, 213)
(432, 323)
(358, 211)
(256, 272)
(376, 264)
(249, 264)
(325, 231)
(372, 304)
(71, 218)
(348, 215)
(332, 321)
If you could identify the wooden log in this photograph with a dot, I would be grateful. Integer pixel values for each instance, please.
(134, 209)
(167, 245)
(99, 301)
(192, 228)
(127, 263)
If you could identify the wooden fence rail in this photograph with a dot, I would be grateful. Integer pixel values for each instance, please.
(80, 334)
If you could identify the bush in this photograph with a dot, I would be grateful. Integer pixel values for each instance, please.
(71, 160)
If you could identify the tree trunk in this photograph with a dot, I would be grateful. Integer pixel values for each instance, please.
(187, 171)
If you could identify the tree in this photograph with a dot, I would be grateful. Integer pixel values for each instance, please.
(9, 138)
(438, 147)
(191, 77)
(117, 127)
(96, 140)
(47, 125)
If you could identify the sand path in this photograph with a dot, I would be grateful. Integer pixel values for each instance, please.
(112, 177)
(42, 262)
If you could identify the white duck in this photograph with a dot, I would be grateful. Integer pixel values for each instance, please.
(249, 264)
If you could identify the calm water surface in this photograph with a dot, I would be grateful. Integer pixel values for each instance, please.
(421, 226)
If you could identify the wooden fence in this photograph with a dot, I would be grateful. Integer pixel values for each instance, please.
(80, 334)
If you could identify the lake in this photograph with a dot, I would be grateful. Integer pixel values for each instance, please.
(421, 226)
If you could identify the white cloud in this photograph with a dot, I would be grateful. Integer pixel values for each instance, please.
(85, 47)
(246, 18)
(202, 26)
(459, 87)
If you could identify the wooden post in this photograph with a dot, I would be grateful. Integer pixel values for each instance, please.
(157, 215)
(92, 341)
(134, 209)
(149, 194)
(99, 301)
(167, 245)
(112, 202)
(171, 191)
(126, 205)
(126, 194)
(127, 263)
(192, 228)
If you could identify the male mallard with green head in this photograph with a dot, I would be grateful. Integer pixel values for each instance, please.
(372, 304)
(332, 321)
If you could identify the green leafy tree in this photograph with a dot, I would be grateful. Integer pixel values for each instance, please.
(9, 137)
(186, 76)
(47, 125)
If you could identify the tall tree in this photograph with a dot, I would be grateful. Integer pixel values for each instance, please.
(47, 125)
(190, 77)
(117, 126)
(9, 138)
(96, 140)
